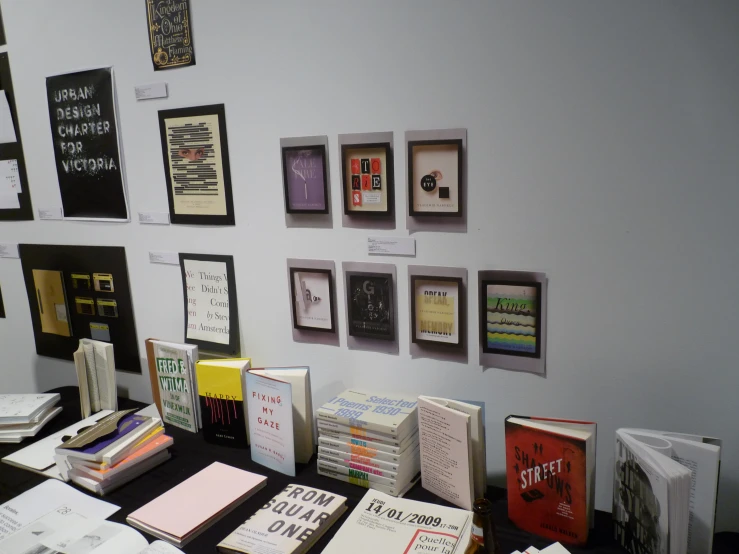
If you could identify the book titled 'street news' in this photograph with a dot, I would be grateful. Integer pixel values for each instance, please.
(391, 414)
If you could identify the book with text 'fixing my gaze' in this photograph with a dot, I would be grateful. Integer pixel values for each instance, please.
(221, 399)
(550, 470)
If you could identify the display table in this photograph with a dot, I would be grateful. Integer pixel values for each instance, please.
(190, 454)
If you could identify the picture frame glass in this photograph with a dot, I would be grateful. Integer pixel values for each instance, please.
(366, 185)
(312, 298)
(305, 179)
(436, 315)
(371, 305)
(435, 177)
(512, 318)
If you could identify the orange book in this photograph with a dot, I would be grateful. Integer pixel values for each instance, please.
(153, 447)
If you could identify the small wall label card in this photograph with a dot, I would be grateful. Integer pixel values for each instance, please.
(196, 165)
(211, 311)
(305, 178)
(312, 300)
(84, 127)
(370, 298)
(437, 310)
(367, 179)
(170, 33)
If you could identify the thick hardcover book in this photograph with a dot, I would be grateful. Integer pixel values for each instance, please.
(550, 477)
(390, 414)
(290, 523)
(222, 401)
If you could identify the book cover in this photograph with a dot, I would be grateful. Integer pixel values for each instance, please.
(392, 414)
(222, 401)
(289, 523)
(547, 483)
(175, 385)
(270, 406)
(23, 408)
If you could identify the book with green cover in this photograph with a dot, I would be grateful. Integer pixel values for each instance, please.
(178, 392)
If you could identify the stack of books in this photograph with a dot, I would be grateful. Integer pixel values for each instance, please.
(24, 415)
(114, 451)
(370, 439)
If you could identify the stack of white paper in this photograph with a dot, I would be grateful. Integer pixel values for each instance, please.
(24, 415)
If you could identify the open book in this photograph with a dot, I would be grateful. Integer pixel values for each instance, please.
(452, 440)
(95, 365)
(672, 479)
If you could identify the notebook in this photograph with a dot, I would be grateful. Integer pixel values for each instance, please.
(185, 511)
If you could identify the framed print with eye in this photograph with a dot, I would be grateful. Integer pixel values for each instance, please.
(305, 178)
(435, 177)
(367, 179)
(437, 310)
(370, 299)
(312, 299)
(196, 164)
(510, 317)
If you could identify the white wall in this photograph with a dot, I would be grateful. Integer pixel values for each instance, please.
(603, 141)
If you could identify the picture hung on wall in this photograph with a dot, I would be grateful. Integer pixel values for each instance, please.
(370, 298)
(367, 179)
(87, 149)
(211, 308)
(170, 33)
(312, 299)
(80, 292)
(196, 165)
(435, 177)
(510, 318)
(305, 178)
(437, 310)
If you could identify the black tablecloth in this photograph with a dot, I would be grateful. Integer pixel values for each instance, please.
(190, 454)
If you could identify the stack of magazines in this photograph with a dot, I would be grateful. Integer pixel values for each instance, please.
(114, 451)
(370, 439)
(24, 415)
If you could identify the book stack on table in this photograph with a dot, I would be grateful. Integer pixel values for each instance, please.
(24, 415)
(370, 439)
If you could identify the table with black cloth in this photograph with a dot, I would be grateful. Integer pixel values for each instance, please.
(190, 454)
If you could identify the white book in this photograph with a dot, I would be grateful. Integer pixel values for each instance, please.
(110, 484)
(392, 414)
(374, 526)
(175, 365)
(389, 489)
(679, 485)
(24, 408)
(452, 439)
(31, 429)
(99, 372)
(366, 452)
(396, 465)
(411, 443)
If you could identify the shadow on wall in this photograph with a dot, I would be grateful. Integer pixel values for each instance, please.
(51, 373)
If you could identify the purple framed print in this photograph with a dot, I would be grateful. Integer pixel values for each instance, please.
(304, 174)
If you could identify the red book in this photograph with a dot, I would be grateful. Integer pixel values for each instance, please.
(550, 469)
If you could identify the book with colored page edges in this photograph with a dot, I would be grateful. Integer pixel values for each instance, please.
(290, 523)
(185, 511)
(550, 471)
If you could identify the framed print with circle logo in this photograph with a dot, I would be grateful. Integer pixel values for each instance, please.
(435, 177)
(312, 299)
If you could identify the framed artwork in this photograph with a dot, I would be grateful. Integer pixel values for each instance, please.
(370, 299)
(367, 179)
(435, 177)
(510, 317)
(312, 299)
(170, 33)
(196, 165)
(437, 310)
(305, 178)
(211, 307)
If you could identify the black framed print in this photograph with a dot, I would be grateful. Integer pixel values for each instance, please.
(305, 179)
(435, 180)
(196, 165)
(370, 299)
(367, 179)
(211, 307)
(312, 299)
(437, 310)
(510, 317)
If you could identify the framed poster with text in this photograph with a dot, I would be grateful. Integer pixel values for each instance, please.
(170, 33)
(435, 177)
(367, 179)
(305, 179)
(510, 317)
(196, 165)
(370, 300)
(437, 310)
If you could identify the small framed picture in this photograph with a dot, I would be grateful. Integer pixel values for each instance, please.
(437, 310)
(312, 299)
(435, 177)
(370, 300)
(510, 318)
(305, 179)
(367, 179)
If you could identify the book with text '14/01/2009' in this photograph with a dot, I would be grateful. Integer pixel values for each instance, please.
(290, 523)
(390, 414)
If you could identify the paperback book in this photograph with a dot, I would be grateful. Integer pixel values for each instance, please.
(221, 401)
(364, 447)
(389, 414)
(178, 393)
(328, 429)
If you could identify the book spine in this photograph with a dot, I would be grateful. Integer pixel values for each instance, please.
(355, 432)
(329, 472)
(346, 461)
(360, 442)
(360, 474)
(331, 417)
(367, 452)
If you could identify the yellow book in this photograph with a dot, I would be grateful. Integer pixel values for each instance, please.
(221, 397)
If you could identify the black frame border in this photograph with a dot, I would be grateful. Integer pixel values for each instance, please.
(286, 187)
(462, 311)
(293, 297)
(460, 163)
(483, 323)
(390, 172)
(356, 333)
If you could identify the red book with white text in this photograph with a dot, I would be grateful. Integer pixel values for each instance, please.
(550, 470)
